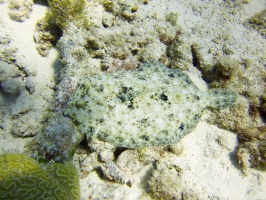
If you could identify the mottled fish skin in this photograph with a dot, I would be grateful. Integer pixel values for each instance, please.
(152, 105)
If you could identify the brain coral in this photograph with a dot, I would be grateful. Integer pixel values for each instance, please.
(22, 177)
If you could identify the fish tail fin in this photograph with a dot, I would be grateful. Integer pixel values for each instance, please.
(221, 98)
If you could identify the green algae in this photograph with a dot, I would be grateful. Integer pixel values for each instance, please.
(22, 177)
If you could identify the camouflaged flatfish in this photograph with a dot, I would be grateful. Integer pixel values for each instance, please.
(152, 105)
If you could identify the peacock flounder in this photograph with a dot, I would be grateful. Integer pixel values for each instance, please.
(152, 105)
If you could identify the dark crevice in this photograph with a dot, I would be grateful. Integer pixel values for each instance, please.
(118, 151)
(195, 56)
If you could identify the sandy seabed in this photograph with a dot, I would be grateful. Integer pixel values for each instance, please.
(208, 160)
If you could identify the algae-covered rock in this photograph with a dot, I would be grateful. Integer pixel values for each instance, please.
(124, 8)
(258, 22)
(165, 183)
(59, 16)
(252, 150)
(20, 9)
(7, 49)
(22, 177)
(65, 11)
(45, 36)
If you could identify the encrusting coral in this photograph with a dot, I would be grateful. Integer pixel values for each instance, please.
(22, 177)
